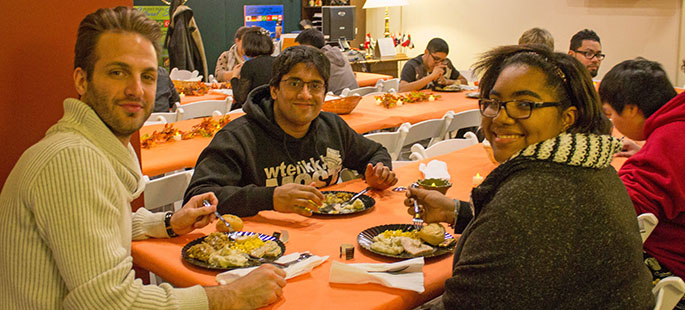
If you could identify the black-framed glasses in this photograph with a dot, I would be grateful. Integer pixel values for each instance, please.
(517, 109)
(436, 58)
(591, 54)
(295, 84)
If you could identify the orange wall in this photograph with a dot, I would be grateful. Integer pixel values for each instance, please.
(36, 64)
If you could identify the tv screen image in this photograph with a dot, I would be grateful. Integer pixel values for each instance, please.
(269, 17)
(338, 22)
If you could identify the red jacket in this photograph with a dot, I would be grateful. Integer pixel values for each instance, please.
(655, 179)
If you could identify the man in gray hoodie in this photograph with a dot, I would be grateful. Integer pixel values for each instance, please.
(341, 72)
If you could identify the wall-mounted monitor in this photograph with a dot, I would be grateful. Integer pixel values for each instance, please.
(338, 22)
(269, 17)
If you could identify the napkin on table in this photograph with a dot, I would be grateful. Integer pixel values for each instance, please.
(408, 279)
(291, 271)
(435, 169)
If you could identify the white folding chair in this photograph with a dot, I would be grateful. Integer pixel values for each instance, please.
(400, 163)
(418, 152)
(668, 292)
(465, 119)
(392, 141)
(203, 108)
(433, 129)
(167, 190)
(647, 222)
(361, 91)
(184, 75)
(388, 86)
(162, 118)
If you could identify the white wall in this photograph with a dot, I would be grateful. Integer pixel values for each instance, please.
(627, 28)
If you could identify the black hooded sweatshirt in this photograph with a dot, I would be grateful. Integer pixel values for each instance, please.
(251, 155)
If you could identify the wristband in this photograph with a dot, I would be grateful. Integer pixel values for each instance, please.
(167, 224)
(456, 213)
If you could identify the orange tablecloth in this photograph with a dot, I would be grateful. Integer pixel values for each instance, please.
(208, 96)
(369, 79)
(367, 116)
(323, 236)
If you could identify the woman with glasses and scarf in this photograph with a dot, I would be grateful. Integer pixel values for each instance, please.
(552, 227)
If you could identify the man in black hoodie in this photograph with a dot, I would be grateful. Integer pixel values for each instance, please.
(284, 148)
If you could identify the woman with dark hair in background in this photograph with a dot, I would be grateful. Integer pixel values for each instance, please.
(256, 71)
(552, 227)
(230, 58)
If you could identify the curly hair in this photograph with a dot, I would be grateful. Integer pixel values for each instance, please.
(566, 75)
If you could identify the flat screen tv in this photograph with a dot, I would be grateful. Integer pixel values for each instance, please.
(338, 22)
(269, 17)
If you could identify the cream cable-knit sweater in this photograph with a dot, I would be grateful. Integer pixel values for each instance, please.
(66, 224)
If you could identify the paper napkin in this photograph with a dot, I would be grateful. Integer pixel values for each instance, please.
(435, 169)
(408, 279)
(294, 270)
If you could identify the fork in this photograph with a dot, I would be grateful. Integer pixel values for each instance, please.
(356, 196)
(300, 258)
(417, 221)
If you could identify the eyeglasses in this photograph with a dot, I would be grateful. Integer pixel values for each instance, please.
(591, 54)
(516, 109)
(436, 58)
(296, 85)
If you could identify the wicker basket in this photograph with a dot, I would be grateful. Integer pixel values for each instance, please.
(342, 105)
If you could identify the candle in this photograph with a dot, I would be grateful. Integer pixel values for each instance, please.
(477, 179)
(177, 137)
(431, 98)
(399, 102)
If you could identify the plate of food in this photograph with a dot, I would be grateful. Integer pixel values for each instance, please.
(334, 203)
(226, 251)
(448, 88)
(404, 241)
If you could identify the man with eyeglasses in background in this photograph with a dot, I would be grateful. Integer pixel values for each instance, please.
(432, 68)
(586, 47)
(284, 148)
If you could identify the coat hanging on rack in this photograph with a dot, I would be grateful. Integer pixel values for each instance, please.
(183, 40)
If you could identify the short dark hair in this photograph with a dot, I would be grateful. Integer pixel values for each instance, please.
(240, 32)
(256, 41)
(564, 73)
(437, 45)
(118, 20)
(639, 82)
(294, 55)
(311, 37)
(537, 36)
(580, 36)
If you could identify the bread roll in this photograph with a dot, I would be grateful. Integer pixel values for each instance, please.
(236, 223)
(433, 233)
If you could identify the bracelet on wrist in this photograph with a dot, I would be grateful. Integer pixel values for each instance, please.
(167, 224)
(456, 213)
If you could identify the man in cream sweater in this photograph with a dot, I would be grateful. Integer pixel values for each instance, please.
(65, 217)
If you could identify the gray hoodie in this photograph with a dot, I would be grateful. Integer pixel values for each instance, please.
(341, 72)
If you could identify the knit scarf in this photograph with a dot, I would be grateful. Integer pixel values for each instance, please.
(579, 150)
(583, 150)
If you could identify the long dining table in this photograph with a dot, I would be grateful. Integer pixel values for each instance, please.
(323, 236)
(367, 116)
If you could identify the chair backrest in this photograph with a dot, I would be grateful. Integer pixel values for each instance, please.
(401, 163)
(165, 190)
(361, 91)
(433, 129)
(203, 108)
(646, 222)
(184, 75)
(392, 141)
(418, 152)
(668, 292)
(388, 85)
(465, 119)
(168, 117)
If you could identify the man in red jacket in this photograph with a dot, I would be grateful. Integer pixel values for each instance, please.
(643, 105)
